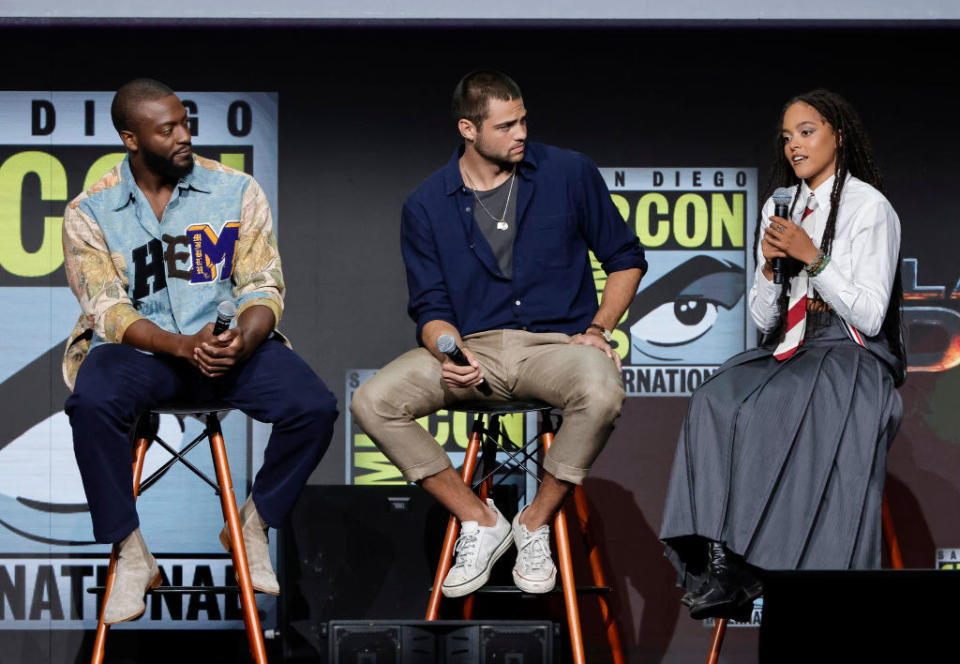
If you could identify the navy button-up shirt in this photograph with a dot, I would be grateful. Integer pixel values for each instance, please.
(563, 210)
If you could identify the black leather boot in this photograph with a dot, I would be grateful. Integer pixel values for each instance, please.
(752, 585)
(727, 591)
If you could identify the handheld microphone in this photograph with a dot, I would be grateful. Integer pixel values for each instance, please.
(447, 346)
(781, 208)
(226, 310)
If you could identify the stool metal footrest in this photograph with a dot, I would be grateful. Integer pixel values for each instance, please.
(181, 590)
(513, 590)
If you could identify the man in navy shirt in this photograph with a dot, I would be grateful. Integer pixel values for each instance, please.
(496, 250)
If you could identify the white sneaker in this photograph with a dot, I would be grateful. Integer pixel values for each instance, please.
(477, 549)
(534, 571)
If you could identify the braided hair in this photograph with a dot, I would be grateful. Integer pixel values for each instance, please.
(854, 157)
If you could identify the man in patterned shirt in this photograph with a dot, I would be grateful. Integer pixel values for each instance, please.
(145, 336)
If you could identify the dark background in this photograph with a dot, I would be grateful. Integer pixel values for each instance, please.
(364, 118)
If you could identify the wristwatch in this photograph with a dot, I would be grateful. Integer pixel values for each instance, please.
(604, 332)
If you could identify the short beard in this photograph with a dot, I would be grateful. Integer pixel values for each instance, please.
(164, 166)
(504, 163)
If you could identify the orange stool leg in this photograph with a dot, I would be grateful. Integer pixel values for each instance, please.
(100, 643)
(599, 579)
(719, 630)
(566, 575)
(468, 607)
(468, 602)
(453, 527)
(890, 537)
(228, 502)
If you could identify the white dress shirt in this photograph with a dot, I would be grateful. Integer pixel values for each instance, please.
(857, 281)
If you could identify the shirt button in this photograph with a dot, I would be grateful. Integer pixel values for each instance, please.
(467, 208)
(517, 303)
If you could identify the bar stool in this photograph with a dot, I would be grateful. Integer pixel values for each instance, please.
(488, 434)
(896, 562)
(145, 433)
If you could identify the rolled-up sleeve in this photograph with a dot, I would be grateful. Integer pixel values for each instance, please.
(612, 241)
(97, 278)
(257, 273)
(429, 298)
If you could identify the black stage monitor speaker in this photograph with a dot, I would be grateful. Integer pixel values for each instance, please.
(442, 642)
(352, 553)
(517, 643)
(860, 616)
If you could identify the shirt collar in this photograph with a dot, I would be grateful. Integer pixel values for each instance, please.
(122, 194)
(126, 192)
(452, 180)
(821, 195)
(196, 179)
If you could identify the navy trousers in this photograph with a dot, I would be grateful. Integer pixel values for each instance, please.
(117, 383)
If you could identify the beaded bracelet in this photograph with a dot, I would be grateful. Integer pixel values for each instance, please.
(813, 268)
(817, 266)
(826, 261)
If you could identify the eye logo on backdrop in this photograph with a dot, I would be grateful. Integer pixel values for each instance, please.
(689, 314)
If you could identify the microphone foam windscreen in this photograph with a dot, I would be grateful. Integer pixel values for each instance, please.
(227, 309)
(783, 195)
(446, 344)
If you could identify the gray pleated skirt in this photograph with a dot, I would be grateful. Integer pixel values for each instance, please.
(784, 462)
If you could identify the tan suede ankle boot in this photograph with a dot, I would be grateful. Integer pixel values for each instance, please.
(136, 572)
(258, 552)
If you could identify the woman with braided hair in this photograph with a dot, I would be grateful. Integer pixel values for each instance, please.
(781, 460)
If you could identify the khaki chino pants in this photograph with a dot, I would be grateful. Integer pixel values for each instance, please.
(580, 380)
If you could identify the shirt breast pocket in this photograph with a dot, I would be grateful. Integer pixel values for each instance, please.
(551, 239)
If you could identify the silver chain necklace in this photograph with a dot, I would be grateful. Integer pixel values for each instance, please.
(502, 224)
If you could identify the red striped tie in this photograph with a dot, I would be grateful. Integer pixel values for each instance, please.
(797, 308)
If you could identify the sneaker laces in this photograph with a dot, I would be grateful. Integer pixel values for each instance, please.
(466, 548)
(535, 552)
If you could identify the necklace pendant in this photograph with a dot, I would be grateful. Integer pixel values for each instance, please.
(502, 225)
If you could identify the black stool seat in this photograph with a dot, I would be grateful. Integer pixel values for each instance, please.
(186, 408)
(482, 407)
(493, 437)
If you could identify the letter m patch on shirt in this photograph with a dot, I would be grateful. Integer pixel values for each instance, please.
(207, 251)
